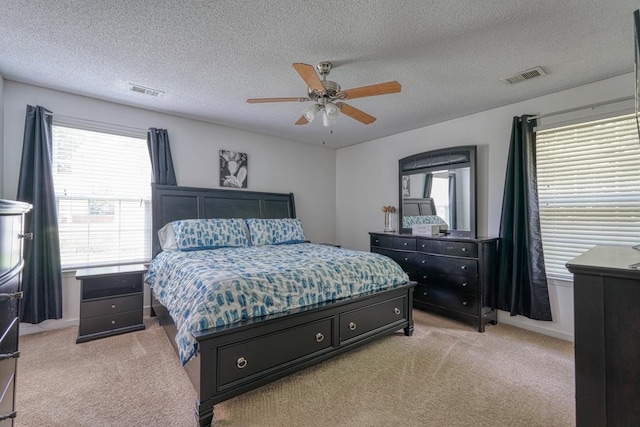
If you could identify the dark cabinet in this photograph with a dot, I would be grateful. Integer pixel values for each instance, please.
(606, 293)
(456, 275)
(111, 301)
(11, 265)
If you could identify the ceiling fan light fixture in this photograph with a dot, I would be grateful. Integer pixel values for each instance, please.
(331, 110)
(310, 113)
(326, 119)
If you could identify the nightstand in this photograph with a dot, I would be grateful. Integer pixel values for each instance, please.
(110, 301)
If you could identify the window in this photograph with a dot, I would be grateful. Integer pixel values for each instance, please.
(103, 195)
(588, 188)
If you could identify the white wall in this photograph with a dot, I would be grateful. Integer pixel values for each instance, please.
(275, 164)
(367, 175)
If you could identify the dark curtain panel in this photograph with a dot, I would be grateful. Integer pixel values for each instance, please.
(428, 182)
(160, 153)
(42, 275)
(453, 204)
(522, 281)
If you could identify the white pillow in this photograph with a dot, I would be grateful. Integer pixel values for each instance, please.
(167, 238)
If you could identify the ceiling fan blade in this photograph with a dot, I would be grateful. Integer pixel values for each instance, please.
(377, 89)
(261, 100)
(356, 114)
(302, 120)
(310, 77)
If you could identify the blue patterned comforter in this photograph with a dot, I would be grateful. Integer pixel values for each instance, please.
(209, 288)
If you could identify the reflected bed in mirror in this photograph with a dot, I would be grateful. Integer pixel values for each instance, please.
(438, 187)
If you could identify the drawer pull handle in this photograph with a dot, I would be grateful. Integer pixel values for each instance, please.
(319, 337)
(352, 326)
(241, 363)
(423, 245)
(424, 293)
(406, 243)
(424, 261)
(406, 259)
(113, 306)
(26, 236)
(464, 303)
(425, 277)
(5, 297)
(463, 267)
(396, 310)
(449, 248)
(464, 249)
(13, 355)
(113, 322)
(377, 241)
(464, 284)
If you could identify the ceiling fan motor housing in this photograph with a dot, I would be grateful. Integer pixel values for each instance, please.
(331, 91)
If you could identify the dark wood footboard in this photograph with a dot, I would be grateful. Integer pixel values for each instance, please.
(234, 359)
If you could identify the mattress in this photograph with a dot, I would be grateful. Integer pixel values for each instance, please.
(211, 288)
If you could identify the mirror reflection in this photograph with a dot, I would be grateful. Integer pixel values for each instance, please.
(438, 187)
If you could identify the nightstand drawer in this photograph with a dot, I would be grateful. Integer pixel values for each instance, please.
(380, 241)
(105, 286)
(112, 322)
(110, 306)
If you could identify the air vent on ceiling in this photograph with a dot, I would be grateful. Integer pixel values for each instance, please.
(524, 75)
(145, 90)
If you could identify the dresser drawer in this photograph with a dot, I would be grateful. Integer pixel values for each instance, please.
(7, 385)
(10, 243)
(93, 325)
(440, 266)
(446, 247)
(110, 306)
(9, 314)
(447, 299)
(358, 322)
(245, 360)
(105, 286)
(465, 284)
(380, 241)
(403, 243)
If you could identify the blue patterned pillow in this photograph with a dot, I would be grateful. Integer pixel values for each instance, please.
(198, 234)
(275, 231)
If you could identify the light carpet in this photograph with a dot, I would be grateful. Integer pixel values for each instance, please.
(446, 374)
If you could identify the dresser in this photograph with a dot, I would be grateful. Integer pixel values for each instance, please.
(606, 294)
(11, 264)
(456, 275)
(110, 301)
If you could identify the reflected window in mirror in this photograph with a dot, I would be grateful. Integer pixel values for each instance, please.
(438, 187)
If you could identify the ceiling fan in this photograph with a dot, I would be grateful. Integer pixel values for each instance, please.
(328, 96)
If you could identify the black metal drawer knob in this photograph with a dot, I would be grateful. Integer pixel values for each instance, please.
(319, 337)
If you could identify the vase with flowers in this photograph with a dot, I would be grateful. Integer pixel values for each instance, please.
(388, 210)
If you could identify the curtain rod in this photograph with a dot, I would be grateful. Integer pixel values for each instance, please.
(585, 107)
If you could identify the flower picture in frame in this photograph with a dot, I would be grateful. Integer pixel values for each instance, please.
(233, 169)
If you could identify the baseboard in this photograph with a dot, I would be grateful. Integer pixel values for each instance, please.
(47, 325)
(518, 322)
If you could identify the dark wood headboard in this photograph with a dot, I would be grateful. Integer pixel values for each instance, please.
(171, 203)
(418, 207)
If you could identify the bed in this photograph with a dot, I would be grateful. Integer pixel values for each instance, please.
(229, 358)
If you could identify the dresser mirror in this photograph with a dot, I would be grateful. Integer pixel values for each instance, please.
(439, 187)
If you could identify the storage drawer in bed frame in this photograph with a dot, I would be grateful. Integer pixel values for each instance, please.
(256, 352)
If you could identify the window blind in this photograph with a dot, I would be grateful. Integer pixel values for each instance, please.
(588, 189)
(103, 197)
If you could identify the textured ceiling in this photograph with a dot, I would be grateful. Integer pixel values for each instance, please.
(210, 56)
